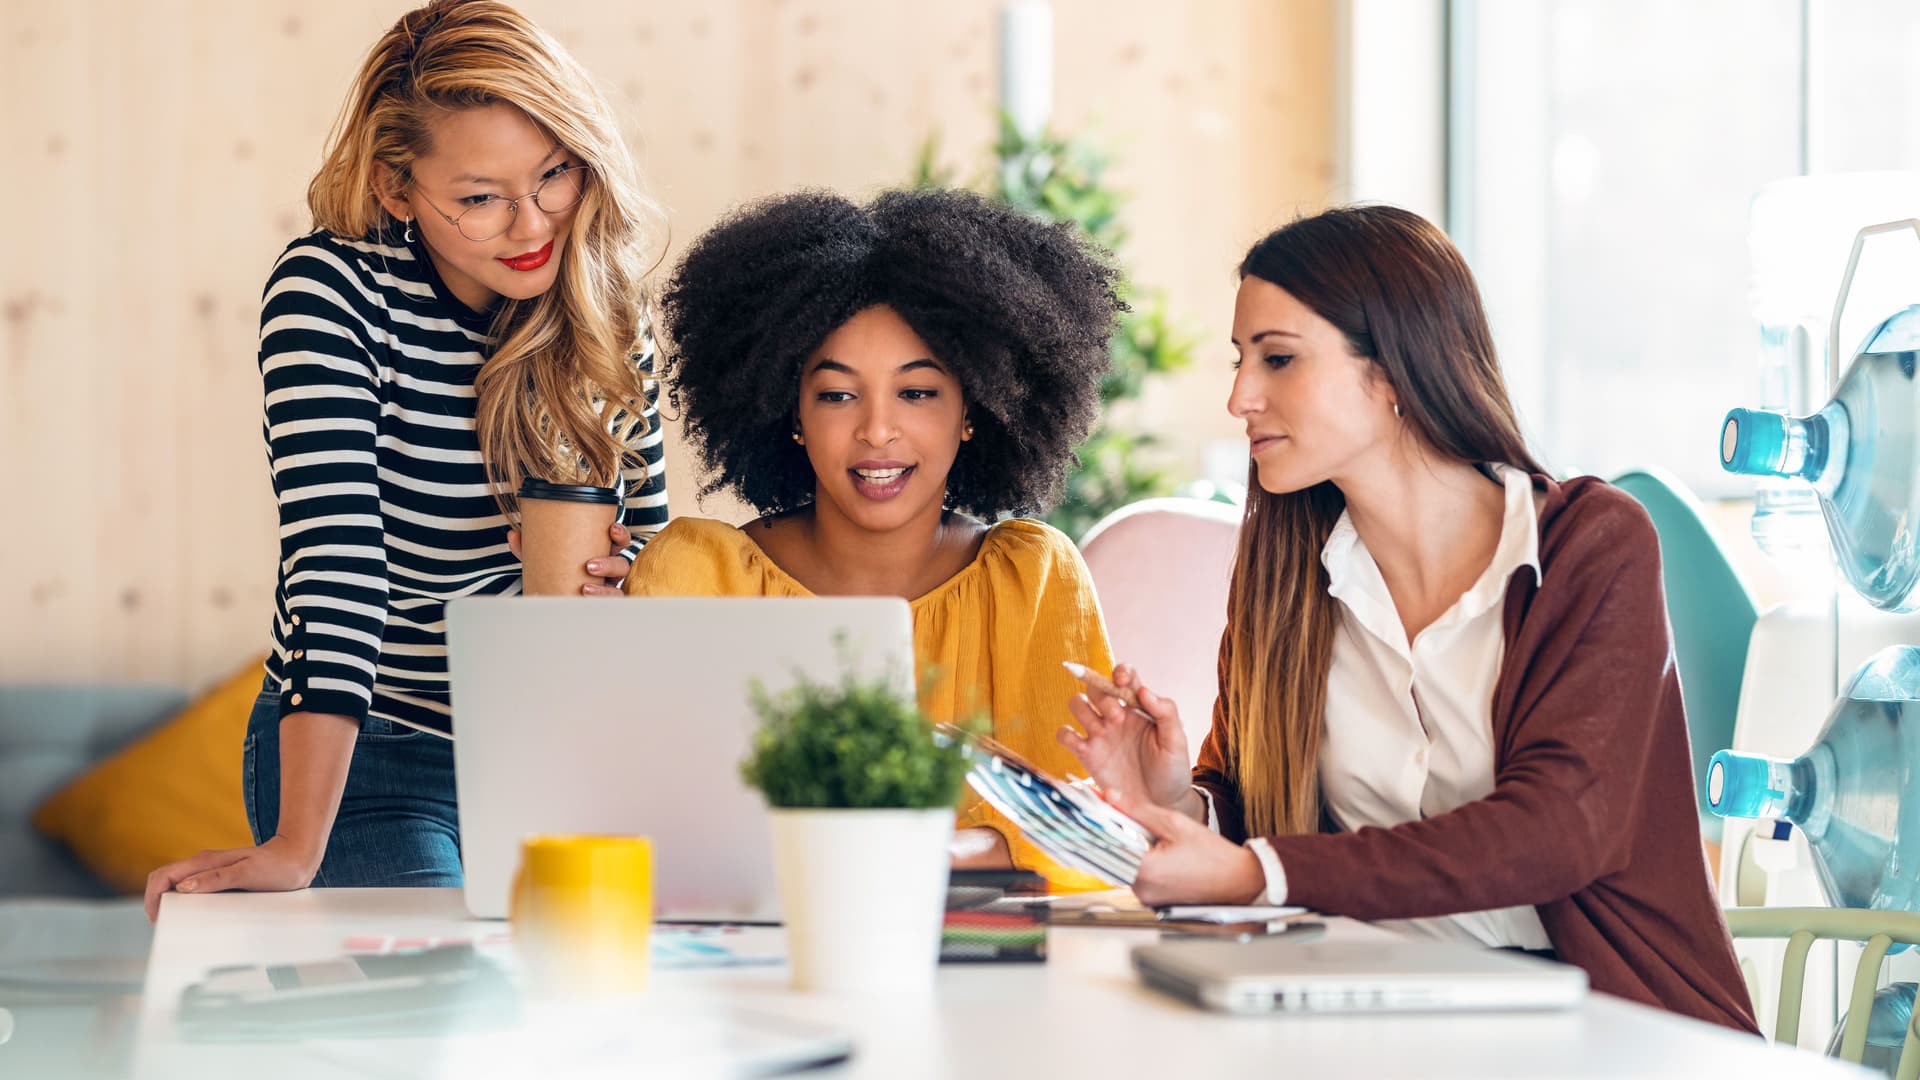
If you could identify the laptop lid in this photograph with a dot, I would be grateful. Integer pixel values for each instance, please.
(631, 716)
(1278, 975)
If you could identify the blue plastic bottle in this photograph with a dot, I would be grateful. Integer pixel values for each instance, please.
(1855, 792)
(1886, 1028)
(1859, 454)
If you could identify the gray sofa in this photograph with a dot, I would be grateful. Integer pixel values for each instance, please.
(56, 918)
(49, 734)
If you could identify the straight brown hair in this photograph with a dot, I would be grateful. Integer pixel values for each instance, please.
(1401, 294)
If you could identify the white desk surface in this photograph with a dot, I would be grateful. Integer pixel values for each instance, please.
(1083, 1013)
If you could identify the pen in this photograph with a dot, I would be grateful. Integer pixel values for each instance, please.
(1099, 682)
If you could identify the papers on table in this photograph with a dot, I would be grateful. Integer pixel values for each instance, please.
(673, 945)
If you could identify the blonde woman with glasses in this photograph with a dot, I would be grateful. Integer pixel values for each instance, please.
(467, 312)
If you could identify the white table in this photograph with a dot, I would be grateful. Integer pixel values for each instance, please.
(1082, 1013)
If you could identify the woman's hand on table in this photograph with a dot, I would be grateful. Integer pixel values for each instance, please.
(279, 865)
(1190, 863)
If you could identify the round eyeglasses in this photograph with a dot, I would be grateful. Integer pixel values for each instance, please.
(493, 215)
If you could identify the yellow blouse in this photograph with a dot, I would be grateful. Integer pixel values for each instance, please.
(995, 634)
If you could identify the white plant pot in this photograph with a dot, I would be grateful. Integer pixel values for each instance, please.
(863, 893)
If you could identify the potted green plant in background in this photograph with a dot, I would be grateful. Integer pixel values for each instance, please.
(1055, 178)
(862, 794)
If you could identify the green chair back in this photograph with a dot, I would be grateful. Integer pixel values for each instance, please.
(1878, 930)
(1712, 613)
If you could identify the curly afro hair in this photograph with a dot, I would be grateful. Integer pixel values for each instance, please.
(1020, 311)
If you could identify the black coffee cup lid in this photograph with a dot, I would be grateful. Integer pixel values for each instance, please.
(535, 488)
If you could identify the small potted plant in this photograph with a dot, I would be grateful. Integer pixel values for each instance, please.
(862, 794)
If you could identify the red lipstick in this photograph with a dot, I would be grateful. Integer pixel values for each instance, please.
(532, 260)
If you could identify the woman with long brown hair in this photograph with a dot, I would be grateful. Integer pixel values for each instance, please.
(467, 311)
(1447, 691)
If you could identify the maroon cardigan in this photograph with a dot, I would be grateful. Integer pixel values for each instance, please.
(1592, 816)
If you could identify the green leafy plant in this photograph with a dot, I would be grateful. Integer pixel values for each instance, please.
(1055, 178)
(855, 745)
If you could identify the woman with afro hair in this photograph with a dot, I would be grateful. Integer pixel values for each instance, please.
(892, 386)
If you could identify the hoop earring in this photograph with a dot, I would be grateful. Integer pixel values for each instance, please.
(409, 239)
(1396, 410)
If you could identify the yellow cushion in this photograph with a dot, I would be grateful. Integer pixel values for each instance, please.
(172, 794)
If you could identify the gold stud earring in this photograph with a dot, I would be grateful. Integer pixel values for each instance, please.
(967, 432)
(797, 438)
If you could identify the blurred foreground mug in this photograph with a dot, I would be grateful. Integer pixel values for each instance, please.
(582, 913)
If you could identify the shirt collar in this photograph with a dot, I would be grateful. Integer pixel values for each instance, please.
(1352, 573)
(1519, 546)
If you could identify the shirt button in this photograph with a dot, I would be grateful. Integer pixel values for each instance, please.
(296, 620)
(294, 699)
(299, 654)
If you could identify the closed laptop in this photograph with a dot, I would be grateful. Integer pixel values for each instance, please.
(1275, 975)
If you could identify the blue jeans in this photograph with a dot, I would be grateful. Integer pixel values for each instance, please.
(398, 823)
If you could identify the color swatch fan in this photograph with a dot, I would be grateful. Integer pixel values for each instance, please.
(1066, 819)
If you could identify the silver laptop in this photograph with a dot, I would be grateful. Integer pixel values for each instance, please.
(1275, 975)
(631, 716)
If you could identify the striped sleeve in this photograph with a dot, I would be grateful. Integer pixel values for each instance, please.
(322, 416)
(644, 473)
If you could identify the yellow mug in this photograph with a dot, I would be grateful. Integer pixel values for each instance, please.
(582, 914)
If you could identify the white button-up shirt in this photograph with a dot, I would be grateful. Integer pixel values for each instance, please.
(1409, 725)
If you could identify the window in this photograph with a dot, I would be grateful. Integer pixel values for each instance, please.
(1603, 155)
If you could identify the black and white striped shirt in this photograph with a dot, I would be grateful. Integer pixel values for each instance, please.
(386, 514)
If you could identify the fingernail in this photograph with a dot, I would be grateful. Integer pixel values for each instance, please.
(186, 886)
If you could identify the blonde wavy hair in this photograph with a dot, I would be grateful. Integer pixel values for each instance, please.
(562, 396)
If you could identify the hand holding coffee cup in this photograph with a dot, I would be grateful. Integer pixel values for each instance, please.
(563, 528)
(606, 574)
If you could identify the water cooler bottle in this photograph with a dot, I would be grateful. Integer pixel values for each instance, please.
(1859, 594)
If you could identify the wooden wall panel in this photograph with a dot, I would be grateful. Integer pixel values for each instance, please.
(161, 153)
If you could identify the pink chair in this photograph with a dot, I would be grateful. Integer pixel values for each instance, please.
(1161, 567)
